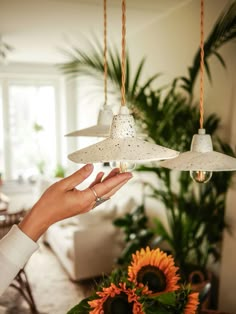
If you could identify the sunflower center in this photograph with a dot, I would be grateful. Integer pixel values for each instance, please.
(118, 305)
(153, 277)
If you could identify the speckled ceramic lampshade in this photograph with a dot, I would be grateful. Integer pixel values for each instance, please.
(201, 157)
(101, 129)
(122, 145)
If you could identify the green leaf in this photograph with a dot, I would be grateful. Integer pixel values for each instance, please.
(208, 71)
(137, 77)
(82, 307)
(223, 31)
(161, 230)
(166, 298)
(151, 305)
(219, 57)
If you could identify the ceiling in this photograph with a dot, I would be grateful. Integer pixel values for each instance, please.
(39, 29)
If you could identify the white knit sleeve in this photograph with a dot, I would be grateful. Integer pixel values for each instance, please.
(15, 249)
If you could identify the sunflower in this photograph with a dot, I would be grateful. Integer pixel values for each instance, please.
(116, 300)
(154, 269)
(192, 303)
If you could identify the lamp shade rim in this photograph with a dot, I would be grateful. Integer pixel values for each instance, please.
(93, 131)
(196, 161)
(122, 149)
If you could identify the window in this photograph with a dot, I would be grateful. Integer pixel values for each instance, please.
(32, 129)
(30, 144)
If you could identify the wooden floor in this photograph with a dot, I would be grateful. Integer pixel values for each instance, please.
(54, 293)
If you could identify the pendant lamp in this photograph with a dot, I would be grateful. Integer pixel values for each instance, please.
(122, 148)
(102, 128)
(201, 160)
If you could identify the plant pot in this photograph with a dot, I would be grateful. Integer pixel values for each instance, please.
(201, 283)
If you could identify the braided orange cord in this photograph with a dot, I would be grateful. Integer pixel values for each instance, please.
(123, 61)
(105, 50)
(202, 66)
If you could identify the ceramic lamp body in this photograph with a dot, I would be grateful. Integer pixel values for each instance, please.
(123, 127)
(122, 145)
(201, 143)
(105, 117)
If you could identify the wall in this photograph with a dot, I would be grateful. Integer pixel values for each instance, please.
(227, 299)
(169, 43)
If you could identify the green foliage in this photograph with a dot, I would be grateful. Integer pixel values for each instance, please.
(196, 221)
(37, 127)
(41, 166)
(137, 233)
(159, 116)
(169, 117)
(91, 65)
(195, 213)
(59, 171)
(83, 307)
(41, 163)
(167, 303)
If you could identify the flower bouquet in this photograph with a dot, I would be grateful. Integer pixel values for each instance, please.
(149, 285)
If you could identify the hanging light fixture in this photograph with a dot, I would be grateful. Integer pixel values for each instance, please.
(122, 148)
(201, 160)
(102, 128)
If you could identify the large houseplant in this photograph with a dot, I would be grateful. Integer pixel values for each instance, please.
(195, 213)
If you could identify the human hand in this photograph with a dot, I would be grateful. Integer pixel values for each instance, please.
(62, 200)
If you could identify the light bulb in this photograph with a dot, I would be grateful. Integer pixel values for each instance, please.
(201, 176)
(124, 166)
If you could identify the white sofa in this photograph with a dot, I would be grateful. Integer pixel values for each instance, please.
(88, 246)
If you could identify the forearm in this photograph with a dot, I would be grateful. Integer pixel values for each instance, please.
(34, 224)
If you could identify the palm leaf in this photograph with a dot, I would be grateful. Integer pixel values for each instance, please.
(137, 77)
(92, 64)
(223, 32)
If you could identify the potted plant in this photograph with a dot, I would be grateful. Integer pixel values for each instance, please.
(195, 214)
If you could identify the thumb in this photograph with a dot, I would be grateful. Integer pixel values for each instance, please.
(78, 177)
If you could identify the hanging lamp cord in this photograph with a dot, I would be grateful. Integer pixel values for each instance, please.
(105, 50)
(123, 59)
(202, 66)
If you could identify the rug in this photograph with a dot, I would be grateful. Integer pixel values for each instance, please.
(53, 292)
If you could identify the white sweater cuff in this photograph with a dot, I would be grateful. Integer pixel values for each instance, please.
(17, 247)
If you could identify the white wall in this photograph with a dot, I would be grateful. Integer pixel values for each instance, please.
(169, 44)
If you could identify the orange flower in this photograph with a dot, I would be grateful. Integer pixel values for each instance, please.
(154, 269)
(192, 303)
(114, 297)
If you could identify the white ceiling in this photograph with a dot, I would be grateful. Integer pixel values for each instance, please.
(37, 29)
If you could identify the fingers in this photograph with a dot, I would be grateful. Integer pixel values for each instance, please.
(76, 178)
(110, 185)
(98, 179)
(101, 174)
(113, 191)
(114, 172)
